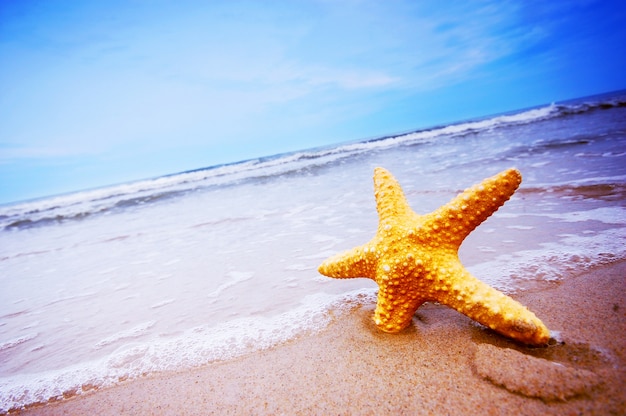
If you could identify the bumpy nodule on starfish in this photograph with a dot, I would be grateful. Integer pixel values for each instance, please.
(414, 259)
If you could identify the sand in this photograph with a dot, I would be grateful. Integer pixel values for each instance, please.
(443, 364)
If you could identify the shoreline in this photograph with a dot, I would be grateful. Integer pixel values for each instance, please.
(442, 363)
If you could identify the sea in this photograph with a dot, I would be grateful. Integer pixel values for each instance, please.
(172, 273)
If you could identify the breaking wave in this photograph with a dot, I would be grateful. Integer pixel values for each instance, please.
(80, 205)
(195, 347)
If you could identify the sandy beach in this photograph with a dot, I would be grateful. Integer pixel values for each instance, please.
(312, 208)
(442, 364)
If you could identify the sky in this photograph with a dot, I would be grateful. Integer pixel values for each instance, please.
(103, 92)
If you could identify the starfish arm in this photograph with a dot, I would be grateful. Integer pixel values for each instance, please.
(394, 313)
(359, 262)
(492, 308)
(391, 203)
(459, 217)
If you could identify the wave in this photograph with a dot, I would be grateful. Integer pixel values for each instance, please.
(603, 188)
(81, 205)
(194, 348)
(572, 255)
(5, 345)
(573, 109)
(135, 332)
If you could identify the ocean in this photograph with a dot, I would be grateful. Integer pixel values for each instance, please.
(172, 273)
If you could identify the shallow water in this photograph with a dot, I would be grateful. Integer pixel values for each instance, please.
(179, 271)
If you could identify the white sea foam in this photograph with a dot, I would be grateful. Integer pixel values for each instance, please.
(234, 278)
(607, 215)
(162, 303)
(135, 332)
(520, 227)
(195, 347)
(298, 267)
(5, 345)
(553, 260)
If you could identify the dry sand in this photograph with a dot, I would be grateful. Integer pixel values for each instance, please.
(444, 365)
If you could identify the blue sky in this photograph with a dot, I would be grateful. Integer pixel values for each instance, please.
(101, 92)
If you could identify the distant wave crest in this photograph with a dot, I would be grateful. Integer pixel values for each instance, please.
(80, 205)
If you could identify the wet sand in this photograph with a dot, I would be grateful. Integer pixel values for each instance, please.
(443, 364)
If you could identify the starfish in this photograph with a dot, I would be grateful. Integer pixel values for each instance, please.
(414, 259)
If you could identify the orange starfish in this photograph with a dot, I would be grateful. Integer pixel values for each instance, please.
(414, 259)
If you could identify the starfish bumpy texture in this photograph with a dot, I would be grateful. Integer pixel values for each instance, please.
(414, 259)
